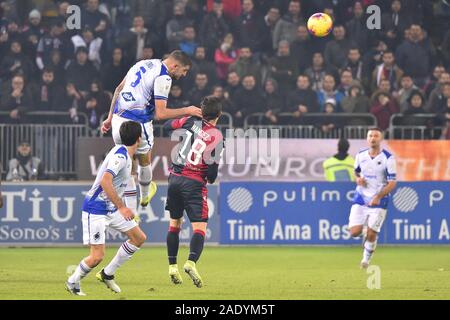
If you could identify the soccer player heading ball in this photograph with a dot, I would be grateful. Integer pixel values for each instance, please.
(375, 178)
(196, 163)
(141, 97)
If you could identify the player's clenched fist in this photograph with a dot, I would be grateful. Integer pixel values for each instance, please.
(127, 213)
(106, 126)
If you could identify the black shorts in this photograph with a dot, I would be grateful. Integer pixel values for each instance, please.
(187, 194)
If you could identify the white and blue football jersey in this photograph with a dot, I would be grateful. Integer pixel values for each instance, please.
(146, 82)
(118, 163)
(377, 172)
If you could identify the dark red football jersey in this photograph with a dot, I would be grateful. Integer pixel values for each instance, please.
(198, 154)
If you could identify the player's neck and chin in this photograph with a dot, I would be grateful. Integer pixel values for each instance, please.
(374, 151)
(132, 150)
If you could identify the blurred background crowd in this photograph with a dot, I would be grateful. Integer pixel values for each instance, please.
(257, 55)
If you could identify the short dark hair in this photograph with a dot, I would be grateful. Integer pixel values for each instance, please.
(130, 131)
(211, 108)
(375, 129)
(48, 70)
(343, 145)
(181, 57)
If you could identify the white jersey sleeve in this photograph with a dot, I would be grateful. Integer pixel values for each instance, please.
(162, 87)
(356, 165)
(116, 163)
(391, 169)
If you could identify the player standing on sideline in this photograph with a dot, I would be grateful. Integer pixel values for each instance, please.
(375, 172)
(196, 163)
(142, 96)
(103, 207)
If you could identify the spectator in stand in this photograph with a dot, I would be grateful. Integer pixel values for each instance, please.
(188, 43)
(250, 27)
(415, 104)
(346, 82)
(437, 94)
(440, 106)
(336, 50)
(176, 98)
(48, 94)
(356, 101)
(233, 85)
(247, 100)
(154, 12)
(81, 69)
(303, 99)
(384, 86)
(231, 8)
(176, 25)
(32, 33)
(200, 65)
(402, 95)
(394, 23)
(74, 100)
(224, 56)
(114, 72)
(357, 27)
(286, 27)
(94, 46)
(98, 103)
(92, 18)
(274, 100)
(270, 21)
(213, 28)
(329, 92)
(373, 57)
(134, 40)
(56, 64)
(328, 123)
(219, 92)
(433, 79)
(414, 55)
(356, 66)
(284, 67)
(383, 107)
(245, 65)
(200, 90)
(302, 48)
(318, 70)
(16, 62)
(51, 41)
(16, 98)
(387, 70)
(25, 167)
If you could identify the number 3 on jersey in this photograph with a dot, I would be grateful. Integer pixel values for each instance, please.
(197, 149)
(139, 74)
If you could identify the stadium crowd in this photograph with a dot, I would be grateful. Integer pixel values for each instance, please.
(257, 55)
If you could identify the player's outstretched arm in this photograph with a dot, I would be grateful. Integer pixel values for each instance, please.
(163, 113)
(106, 126)
(108, 188)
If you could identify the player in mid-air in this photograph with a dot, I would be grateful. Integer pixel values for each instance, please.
(193, 166)
(142, 97)
(103, 207)
(375, 172)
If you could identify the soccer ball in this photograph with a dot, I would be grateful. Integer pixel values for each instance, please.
(320, 24)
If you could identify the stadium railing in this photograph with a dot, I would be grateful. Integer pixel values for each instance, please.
(348, 125)
(54, 143)
(415, 127)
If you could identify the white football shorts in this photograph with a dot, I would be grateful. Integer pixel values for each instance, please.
(147, 134)
(94, 226)
(374, 217)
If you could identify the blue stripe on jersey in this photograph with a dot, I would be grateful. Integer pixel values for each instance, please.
(364, 150)
(95, 207)
(387, 154)
(160, 98)
(122, 150)
(164, 71)
(358, 199)
(112, 172)
(141, 117)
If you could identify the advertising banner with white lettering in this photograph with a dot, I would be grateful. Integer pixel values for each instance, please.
(283, 160)
(317, 213)
(50, 213)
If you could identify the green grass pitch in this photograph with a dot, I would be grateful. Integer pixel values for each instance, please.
(262, 273)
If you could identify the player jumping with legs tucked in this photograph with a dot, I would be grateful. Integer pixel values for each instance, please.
(375, 172)
(103, 207)
(196, 163)
(142, 97)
